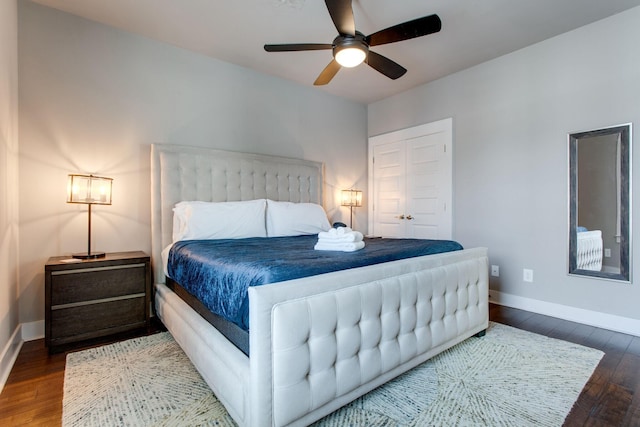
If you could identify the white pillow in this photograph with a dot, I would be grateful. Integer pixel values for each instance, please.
(295, 219)
(219, 220)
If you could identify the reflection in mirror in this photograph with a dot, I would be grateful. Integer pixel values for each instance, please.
(600, 203)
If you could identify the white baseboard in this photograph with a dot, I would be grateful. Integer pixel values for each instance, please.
(33, 330)
(9, 355)
(23, 332)
(612, 322)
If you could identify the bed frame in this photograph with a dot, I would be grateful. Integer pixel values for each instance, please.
(316, 343)
(589, 253)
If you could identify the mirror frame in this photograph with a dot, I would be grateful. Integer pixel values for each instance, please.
(625, 133)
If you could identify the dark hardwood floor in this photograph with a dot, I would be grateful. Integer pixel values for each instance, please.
(33, 393)
(612, 396)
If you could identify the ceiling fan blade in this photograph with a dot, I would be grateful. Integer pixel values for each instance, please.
(385, 66)
(328, 73)
(296, 47)
(405, 31)
(342, 16)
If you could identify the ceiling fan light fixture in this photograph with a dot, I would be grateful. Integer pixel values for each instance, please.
(351, 47)
(350, 51)
(350, 56)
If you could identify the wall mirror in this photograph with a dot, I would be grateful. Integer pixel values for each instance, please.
(600, 203)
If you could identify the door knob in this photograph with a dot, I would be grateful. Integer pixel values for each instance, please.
(409, 217)
(400, 217)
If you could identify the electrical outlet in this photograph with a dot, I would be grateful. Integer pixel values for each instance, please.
(495, 271)
(527, 275)
(607, 252)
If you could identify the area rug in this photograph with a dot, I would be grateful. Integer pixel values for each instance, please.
(509, 377)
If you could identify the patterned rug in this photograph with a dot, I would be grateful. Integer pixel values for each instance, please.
(507, 378)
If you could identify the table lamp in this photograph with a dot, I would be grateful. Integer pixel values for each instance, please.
(351, 198)
(89, 190)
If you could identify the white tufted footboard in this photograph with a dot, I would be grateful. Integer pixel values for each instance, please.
(318, 343)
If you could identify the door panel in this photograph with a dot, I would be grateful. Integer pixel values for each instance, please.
(424, 232)
(389, 170)
(426, 184)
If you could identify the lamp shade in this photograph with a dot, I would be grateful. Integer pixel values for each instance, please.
(89, 189)
(351, 198)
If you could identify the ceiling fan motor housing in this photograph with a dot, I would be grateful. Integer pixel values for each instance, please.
(349, 50)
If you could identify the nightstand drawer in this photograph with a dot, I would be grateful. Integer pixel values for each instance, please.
(95, 320)
(74, 286)
(95, 298)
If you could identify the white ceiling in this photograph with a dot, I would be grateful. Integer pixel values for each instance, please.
(473, 31)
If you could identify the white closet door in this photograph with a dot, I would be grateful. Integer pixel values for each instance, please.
(410, 182)
(390, 184)
(427, 188)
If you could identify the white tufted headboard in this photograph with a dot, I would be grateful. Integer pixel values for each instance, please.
(180, 173)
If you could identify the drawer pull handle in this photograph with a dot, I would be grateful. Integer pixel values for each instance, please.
(96, 301)
(92, 269)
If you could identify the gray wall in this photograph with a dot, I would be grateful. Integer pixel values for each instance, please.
(511, 118)
(8, 182)
(93, 99)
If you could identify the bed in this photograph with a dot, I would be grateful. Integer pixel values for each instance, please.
(589, 256)
(316, 343)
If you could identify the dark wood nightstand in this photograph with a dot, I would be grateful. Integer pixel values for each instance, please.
(94, 298)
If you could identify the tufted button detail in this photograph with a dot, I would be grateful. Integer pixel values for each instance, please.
(356, 334)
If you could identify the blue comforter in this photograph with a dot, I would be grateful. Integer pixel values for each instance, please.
(219, 272)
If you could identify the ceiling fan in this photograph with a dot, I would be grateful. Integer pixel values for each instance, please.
(351, 47)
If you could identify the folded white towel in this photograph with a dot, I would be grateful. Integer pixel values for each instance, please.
(342, 247)
(337, 231)
(354, 236)
(340, 234)
(343, 230)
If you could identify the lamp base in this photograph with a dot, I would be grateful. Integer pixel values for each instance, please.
(92, 255)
